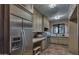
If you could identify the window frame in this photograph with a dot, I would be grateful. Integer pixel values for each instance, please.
(58, 25)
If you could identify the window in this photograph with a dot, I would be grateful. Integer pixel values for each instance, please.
(59, 28)
(55, 29)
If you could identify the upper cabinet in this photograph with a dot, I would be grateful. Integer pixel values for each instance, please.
(29, 7)
(46, 22)
(37, 22)
(20, 11)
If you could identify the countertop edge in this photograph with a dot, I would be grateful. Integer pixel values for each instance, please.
(38, 39)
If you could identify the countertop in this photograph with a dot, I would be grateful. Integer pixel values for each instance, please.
(60, 36)
(38, 39)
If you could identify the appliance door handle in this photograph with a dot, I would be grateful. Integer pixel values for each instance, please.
(22, 40)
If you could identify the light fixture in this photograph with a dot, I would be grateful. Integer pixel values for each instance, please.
(58, 16)
(52, 5)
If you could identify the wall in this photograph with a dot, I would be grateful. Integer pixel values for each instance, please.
(60, 22)
(73, 32)
(58, 39)
(73, 38)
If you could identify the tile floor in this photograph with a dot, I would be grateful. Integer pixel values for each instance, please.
(54, 49)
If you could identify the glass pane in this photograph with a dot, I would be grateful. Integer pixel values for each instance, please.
(61, 29)
(55, 29)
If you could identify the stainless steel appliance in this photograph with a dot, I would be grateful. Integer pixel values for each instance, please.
(20, 36)
(27, 38)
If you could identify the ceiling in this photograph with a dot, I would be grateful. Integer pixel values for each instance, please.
(60, 10)
(74, 16)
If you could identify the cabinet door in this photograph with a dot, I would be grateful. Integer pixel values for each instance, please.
(37, 22)
(19, 12)
(34, 21)
(44, 44)
(46, 22)
(29, 7)
(40, 23)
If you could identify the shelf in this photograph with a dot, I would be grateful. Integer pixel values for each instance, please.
(16, 41)
(36, 48)
(37, 53)
(13, 49)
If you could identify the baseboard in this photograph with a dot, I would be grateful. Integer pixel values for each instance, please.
(59, 44)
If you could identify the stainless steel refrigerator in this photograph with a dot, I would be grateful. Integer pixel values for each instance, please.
(20, 36)
(27, 37)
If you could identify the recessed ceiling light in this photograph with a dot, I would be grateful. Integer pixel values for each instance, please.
(59, 16)
(52, 5)
(56, 17)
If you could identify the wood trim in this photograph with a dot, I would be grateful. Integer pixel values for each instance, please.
(20, 17)
(1, 28)
(60, 44)
(42, 23)
(38, 11)
(24, 9)
(78, 25)
(6, 29)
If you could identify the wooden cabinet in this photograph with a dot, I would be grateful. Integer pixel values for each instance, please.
(44, 44)
(37, 22)
(37, 48)
(29, 7)
(18, 11)
(60, 40)
(46, 22)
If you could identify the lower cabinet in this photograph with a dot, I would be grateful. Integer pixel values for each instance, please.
(44, 44)
(40, 46)
(60, 40)
(37, 48)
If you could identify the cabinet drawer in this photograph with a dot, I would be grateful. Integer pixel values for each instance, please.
(19, 12)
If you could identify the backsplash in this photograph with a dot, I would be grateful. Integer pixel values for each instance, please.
(37, 34)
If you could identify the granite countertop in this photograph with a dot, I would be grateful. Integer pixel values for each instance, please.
(38, 39)
(60, 36)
